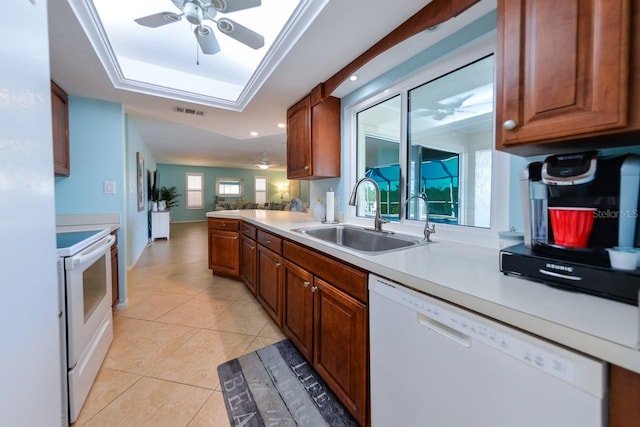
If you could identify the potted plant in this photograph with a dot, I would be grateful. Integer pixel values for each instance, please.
(169, 196)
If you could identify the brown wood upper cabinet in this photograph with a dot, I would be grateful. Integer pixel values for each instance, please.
(60, 127)
(563, 72)
(313, 138)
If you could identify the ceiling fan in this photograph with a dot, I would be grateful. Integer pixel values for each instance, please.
(264, 163)
(197, 11)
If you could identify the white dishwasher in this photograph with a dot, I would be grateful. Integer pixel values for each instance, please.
(436, 365)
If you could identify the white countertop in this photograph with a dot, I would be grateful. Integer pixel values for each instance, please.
(469, 276)
(84, 222)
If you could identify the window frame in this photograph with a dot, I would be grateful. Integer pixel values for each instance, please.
(266, 188)
(221, 180)
(500, 177)
(201, 191)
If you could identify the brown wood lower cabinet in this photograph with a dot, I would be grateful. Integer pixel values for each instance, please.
(340, 346)
(269, 290)
(624, 397)
(248, 263)
(224, 247)
(297, 318)
(325, 316)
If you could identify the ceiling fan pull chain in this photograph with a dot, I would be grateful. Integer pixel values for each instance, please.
(197, 54)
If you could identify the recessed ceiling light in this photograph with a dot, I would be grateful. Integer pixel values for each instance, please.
(254, 133)
(353, 77)
(282, 125)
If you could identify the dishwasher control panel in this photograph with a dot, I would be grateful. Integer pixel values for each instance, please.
(471, 327)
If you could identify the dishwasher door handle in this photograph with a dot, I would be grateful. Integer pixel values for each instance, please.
(444, 330)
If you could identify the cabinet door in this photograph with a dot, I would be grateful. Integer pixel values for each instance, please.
(340, 346)
(248, 262)
(624, 397)
(297, 317)
(269, 290)
(60, 122)
(562, 69)
(224, 252)
(299, 140)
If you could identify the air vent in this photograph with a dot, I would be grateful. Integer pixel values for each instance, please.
(190, 111)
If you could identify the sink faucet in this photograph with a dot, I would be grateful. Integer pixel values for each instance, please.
(378, 221)
(428, 231)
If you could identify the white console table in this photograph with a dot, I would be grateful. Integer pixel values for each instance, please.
(160, 224)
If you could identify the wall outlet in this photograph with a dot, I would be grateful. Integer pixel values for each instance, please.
(109, 187)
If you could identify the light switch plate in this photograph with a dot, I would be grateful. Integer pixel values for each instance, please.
(109, 187)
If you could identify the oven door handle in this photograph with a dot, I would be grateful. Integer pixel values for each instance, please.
(92, 252)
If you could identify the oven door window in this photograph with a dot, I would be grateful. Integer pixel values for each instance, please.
(94, 286)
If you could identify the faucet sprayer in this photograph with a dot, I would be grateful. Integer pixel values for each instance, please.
(428, 231)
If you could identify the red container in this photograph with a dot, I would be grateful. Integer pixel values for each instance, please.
(571, 226)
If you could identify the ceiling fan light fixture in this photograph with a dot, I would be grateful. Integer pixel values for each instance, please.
(263, 166)
(193, 12)
(207, 40)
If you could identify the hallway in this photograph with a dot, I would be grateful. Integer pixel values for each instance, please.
(180, 324)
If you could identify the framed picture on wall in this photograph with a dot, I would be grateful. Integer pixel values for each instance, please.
(140, 178)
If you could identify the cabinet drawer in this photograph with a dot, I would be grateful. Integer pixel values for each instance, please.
(268, 240)
(248, 230)
(342, 276)
(223, 224)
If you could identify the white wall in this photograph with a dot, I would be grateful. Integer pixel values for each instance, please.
(30, 387)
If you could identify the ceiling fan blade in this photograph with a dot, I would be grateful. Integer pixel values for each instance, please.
(179, 3)
(158, 19)
(206, 40)
(228, 6)
(240, 33)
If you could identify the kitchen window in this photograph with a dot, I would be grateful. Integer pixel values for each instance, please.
(195, 190)
(433, 134)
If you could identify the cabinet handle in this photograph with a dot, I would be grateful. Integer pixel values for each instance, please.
(306, 284)
(268, 242)
(252, 248)
(510, 125)
(278, 264)
(314, 288)
(306, 167)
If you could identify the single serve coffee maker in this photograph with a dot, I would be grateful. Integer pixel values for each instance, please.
(577, 208)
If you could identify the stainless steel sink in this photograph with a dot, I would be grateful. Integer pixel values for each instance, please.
(362, 239)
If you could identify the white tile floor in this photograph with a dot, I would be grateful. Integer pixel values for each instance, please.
(180, 324)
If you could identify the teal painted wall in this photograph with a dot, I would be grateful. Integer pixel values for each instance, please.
(137, 221)
(175, 176)
(96, 150)
(96, 154)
